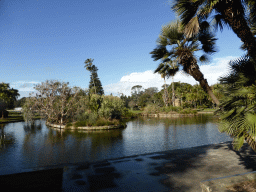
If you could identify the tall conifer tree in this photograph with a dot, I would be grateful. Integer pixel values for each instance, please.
(95, 85)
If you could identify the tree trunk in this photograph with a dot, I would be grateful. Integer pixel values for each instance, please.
(173, 95)
(194, 71)
(165, 94)
(238, 24)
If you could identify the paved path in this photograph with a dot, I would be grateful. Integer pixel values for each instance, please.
(177, 170)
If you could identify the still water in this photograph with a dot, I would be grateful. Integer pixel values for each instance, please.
(23, 146)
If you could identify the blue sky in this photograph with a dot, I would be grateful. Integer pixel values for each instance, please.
(43, 40)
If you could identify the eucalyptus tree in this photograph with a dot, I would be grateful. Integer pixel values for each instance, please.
(238, 116)
(167, 69)
(53, 100)
(173, 44)
(136, 91)
(239, 15)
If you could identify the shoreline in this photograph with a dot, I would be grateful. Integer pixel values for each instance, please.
(106, 127)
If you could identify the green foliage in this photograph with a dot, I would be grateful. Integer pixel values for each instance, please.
(188, 111)
(7, 96)
(95, 102)
(112, 108)
(151, 109)
(238, 107)
(20, 102)
(131, 114)
(92, 118)
(95, 86)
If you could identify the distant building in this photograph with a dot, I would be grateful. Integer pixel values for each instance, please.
(18, 109)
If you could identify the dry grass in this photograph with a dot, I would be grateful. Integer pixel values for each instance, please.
(246, 186)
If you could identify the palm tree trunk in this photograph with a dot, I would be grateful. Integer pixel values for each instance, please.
(165, 94)
(173, 95)
(194, 71)
(238, 24)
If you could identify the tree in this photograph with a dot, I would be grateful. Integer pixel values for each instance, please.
(239, 15)
(238, 116)
(182, 49)
(54, 100)
(20, 102)
(7, 97)
(167, 69)
(136, 91)
(95, 85)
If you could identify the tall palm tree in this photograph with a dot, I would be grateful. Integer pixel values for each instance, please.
(239, 15)
(173, 44)
(167, 69)
(237, 114)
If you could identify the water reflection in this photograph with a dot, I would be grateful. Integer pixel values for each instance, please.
(36, 145)
(6, 139)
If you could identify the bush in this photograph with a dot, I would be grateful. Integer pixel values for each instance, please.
(112, 108)
(92, 118)
(95, 102)
(130, 114)
(174, 108)
(81, 124)
(105, 122)
(188, 111)
(151, 109)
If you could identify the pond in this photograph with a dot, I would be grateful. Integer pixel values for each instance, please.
(26, 147)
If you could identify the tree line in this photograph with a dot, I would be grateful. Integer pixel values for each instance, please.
(177, 94)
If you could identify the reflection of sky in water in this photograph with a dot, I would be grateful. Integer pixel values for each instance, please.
(42, 146)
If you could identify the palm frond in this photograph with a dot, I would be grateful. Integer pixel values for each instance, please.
(159, 52)
(219, 22)
(192, 28)
(204, 58)
(186, 9)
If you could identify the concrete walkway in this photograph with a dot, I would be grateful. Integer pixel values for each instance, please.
(176, 170)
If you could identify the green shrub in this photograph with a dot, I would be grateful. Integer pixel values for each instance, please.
(105, 122)
(150, 109)
(81, 124)
(92, 118)
(174, 108)
(68, 125)
(130, 114)
(82, 116)
(112, 108)
(95, 102)
(188, 111)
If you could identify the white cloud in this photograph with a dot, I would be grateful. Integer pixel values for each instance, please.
(146, 79)
(24, 87)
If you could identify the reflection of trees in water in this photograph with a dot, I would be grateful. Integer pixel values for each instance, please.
(32, 127)
(101, 138)
(185, 120)
(97, 138)
(6, 139)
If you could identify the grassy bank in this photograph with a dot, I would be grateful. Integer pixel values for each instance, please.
(15, 116)
(12, 117)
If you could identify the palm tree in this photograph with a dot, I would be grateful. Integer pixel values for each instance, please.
(239, 15)
(173, 44)
(167, 69)
(237, 114)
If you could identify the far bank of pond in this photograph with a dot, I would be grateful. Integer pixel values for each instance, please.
(24, 146)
